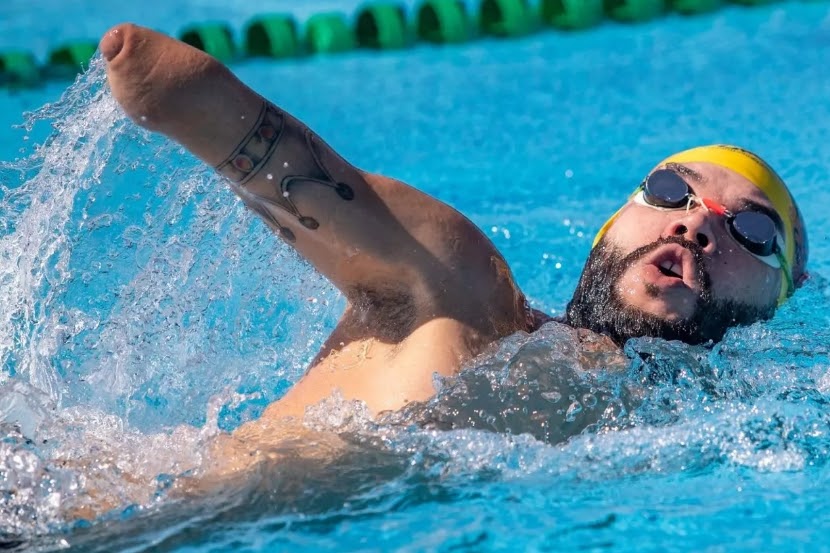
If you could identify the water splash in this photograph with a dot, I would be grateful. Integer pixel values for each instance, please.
(756, 400)
(139, 290)
(140, 301)
(34, 253)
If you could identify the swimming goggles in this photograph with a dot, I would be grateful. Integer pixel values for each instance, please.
(754, 231)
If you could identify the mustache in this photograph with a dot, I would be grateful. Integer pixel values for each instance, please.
(597, 306)
(698, 254)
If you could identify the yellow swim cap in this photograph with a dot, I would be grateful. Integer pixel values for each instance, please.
(756, 171)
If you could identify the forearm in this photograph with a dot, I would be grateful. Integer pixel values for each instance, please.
(373, 237)
(349, 225)
(279, 164)
(315, 200)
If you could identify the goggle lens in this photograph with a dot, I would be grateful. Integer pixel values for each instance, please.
(754, 231)
(665, 188)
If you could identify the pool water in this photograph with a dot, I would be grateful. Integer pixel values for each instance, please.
(144, 310)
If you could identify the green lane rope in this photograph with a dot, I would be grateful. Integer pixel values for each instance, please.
(69, 60)
(505, 18)
(379, 24)
(273, 36)
(327, 33)
(687, 7)
(214, 38)
(571, 14)
(382, 26)
(443, 22)
(634, 10)
(18, 69)
(753, 2)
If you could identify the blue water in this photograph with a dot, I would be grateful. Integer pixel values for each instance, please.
(140, 296)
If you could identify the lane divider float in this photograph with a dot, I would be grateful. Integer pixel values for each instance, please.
(328, 33)
(68, 60)
(272, 36)
(214, 38)
(443, 22)
(572, 14)
(379, 25)
(382, 26)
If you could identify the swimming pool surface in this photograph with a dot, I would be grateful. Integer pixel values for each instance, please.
(138, 296)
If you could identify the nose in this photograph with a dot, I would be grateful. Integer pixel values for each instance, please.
(696, 225)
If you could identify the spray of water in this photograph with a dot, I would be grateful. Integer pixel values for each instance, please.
(144, 311)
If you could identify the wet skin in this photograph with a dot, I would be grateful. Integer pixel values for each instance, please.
(734, 273)
(427, 290)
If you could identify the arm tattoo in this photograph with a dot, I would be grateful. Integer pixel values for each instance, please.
(272, 135)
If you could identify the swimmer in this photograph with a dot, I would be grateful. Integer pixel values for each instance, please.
(710, 239)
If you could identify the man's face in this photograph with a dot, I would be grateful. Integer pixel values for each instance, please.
(679, 274)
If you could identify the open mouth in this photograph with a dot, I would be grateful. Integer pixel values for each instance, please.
(671, 269)
(676, 265)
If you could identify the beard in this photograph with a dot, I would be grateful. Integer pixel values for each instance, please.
(597, 305)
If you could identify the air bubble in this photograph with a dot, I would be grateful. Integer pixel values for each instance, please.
(589, 400)
(574, 409)
(552, 396)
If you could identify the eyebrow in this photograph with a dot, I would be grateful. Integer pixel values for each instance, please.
(685, 171)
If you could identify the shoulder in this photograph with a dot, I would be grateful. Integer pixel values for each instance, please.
(447, 268)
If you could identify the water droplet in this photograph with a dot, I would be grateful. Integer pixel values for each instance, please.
(589, 400)
(552, 396)
(269, 176)
(574, 409)
(285, 165)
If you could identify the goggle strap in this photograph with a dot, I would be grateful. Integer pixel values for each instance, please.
(787, 285)
(715, 207)
(607, 225)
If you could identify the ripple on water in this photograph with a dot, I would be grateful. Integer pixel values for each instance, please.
(113, 357)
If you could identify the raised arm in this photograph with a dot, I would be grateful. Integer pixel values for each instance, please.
(366, 233)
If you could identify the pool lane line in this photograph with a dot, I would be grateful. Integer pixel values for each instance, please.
(379, 25)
